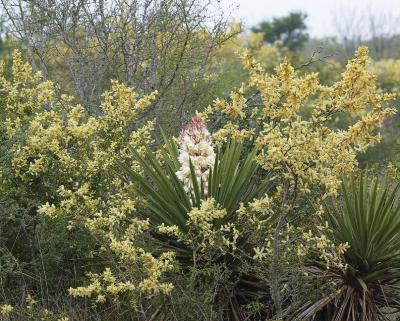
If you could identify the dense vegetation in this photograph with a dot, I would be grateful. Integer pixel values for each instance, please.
(157, 163)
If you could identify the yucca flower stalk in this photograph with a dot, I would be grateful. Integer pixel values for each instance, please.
(195, 148)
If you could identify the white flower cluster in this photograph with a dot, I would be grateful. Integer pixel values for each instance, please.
(195, 146)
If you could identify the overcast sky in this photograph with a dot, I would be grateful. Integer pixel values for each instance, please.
(321, 13)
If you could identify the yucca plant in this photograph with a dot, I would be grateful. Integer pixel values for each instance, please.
(368, 219)
(233, 178)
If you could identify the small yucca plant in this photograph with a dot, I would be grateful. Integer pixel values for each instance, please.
(368, 219)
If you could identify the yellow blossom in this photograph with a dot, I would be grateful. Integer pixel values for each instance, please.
(5, 309)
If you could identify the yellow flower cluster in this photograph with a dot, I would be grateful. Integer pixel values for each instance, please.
(204, 216)
(203, 226)
(205, 231)
(110, 286)
(172, 230)
(393, 171)
(329, 252)
(231, 130)
(234, 109)
(296, 116)
(61, 139)
(30, 301)
(257, 213)
(142, 278)
(5, 309)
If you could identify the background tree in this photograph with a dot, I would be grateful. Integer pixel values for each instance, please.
(5, 43)
(147, 45)
(373, 26)
(290, 29)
